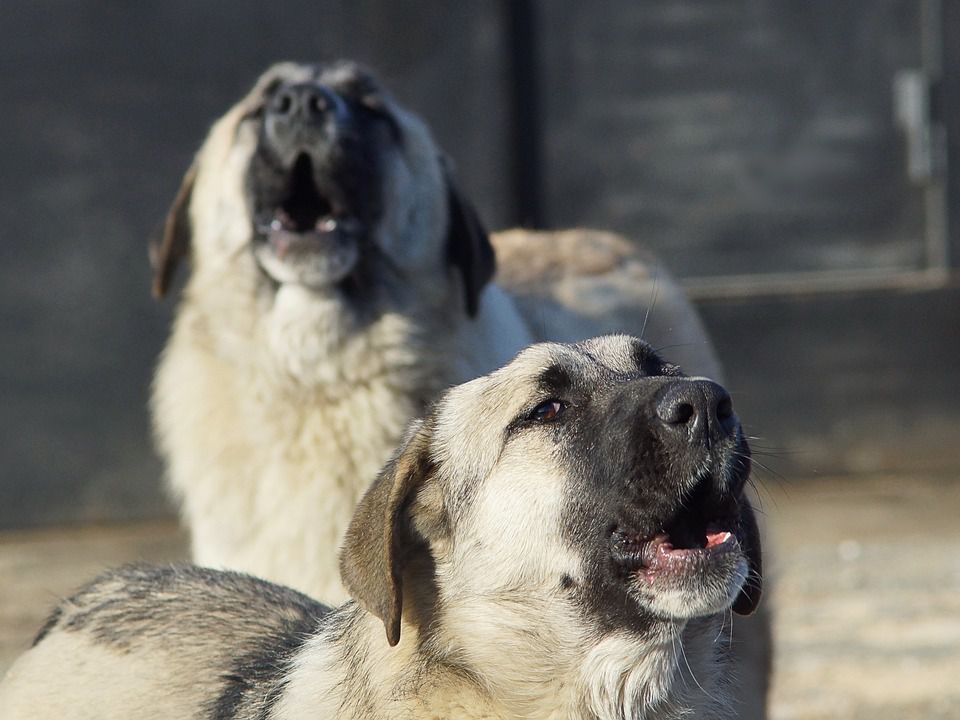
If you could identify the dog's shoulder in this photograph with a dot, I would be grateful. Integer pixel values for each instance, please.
(573, 284)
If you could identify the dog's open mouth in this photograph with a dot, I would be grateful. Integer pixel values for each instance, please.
(682, 549)
(306, 219)
(699, 537)
(310, 236)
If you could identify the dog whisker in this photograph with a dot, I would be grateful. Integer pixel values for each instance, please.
(651, 304)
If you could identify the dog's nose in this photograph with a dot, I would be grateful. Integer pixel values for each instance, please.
(306, 103)
(700, 408)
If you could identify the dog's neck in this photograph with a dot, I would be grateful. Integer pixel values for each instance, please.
(666, 671)
(421, 344)
(619, 677)
(671, 673)
(313, 343)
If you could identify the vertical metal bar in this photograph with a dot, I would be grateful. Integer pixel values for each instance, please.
(937, 211)
(524, 131)
(947, 110)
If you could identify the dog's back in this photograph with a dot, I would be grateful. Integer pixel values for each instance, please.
(571, 284)
(232, 634)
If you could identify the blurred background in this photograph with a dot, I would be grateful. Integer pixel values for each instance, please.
(794, 162)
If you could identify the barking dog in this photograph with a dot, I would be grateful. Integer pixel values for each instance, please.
(562, 538)
(339, 282)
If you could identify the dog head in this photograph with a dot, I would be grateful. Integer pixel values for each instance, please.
(592, 481)
(318, 179)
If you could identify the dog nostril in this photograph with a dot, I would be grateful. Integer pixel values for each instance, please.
(305, 102)
(677, 405)
(284, 104)
(700, 408)
(318, 104)
(681, 414)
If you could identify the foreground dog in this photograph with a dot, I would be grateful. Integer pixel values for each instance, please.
(339, 282)
(562, 538)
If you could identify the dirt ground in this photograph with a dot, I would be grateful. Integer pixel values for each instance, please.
(866, 574)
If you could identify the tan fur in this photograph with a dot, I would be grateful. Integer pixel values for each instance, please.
(273, 413)
(457, 550)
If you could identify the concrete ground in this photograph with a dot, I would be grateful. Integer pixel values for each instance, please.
(866, 574)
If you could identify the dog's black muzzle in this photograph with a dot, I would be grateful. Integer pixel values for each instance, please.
(670, 454)
(669, 464)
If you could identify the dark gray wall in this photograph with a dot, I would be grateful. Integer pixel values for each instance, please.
(740, 137)
(736, 139)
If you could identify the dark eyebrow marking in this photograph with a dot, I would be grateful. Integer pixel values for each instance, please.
(555, 380)
(649, 363)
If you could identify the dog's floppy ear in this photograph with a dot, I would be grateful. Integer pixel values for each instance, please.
(374, 549)
(749, 597)
(468, 244)
(174, 242)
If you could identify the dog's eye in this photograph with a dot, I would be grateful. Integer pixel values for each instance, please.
(548, 410)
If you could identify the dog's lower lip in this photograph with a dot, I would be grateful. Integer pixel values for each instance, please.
(663, 558)
(652, 555)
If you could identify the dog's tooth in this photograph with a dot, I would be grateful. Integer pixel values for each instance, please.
(327, 224)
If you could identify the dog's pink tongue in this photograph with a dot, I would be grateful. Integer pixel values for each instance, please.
(718, 538)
